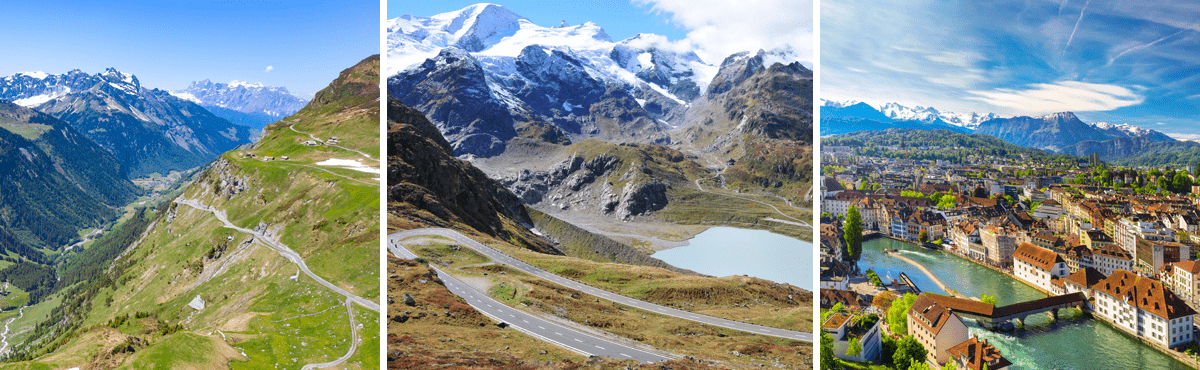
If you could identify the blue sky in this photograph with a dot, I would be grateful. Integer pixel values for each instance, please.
(168, 45)
(717, 27)
(1112, 61)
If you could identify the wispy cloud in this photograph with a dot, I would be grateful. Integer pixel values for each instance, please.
(1061, 97)
(270, 68)
(1077, 21)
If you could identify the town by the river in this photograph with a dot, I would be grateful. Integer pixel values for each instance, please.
(1082, 343)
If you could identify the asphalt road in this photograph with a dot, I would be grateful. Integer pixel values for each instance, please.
(556, 334)
(394, 246)
(353, 344)
(283, 250)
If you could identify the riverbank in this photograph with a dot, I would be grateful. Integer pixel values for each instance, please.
(1179, 356)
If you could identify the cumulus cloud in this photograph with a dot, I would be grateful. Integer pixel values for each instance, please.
(720, 27)
(1061, 96)
(270, 68)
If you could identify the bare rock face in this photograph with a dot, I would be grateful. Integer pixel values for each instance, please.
(638, 198)
(587, 185)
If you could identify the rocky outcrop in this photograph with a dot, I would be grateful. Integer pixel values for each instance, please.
(583, 185)
(639, 198)
(452, 91)
(426, 184)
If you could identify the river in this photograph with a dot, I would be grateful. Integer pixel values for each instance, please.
(1067, 344)
(725, 251)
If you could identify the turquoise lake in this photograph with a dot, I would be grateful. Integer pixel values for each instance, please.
(725, 251)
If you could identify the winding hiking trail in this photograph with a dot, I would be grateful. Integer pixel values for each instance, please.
(4, 336)
(720, 175)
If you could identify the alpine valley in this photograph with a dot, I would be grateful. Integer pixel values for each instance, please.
(581, 156)
(265, 256)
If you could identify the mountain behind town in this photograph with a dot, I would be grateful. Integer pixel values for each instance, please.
(1061, 132)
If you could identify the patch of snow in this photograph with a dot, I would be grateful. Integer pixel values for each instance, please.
(665, 93)
(641, 102)
(36, 74)
(350, 164)
(185, 96)
(645, 59)
(236, 83)
(197, 303)
(34, 101)
(567, 106)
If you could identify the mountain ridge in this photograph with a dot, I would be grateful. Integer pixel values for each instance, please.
(148, 130)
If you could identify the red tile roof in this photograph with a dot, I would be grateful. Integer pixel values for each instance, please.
(979, 352)
(1144, 293)
(1039, 257)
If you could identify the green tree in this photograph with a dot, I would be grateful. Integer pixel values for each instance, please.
(853, 233)
(923, 236)
(989, 299)
(950, 366)
(855, 348)
(829, 360)
(837, 307)
(897, 314)
(908, 351)
(1181, 183)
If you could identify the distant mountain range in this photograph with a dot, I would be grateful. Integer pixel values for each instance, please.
(1059, 132)
(897, 112)
(148, 130)
(252, 105)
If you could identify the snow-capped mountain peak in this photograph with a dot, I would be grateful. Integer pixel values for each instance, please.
(930, 114)
(236, 83)
(36, 74)
(838, 103)
(244, 97)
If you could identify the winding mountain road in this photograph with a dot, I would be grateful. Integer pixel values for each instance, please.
(353, 343)
(396, 247)
(283, 250)
(562, 336)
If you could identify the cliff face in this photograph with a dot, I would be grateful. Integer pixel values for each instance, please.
(427, 185)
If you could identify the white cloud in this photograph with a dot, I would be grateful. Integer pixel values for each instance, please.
(720, 27)
(270, 68)
(1062, 96)
(1183, 137)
